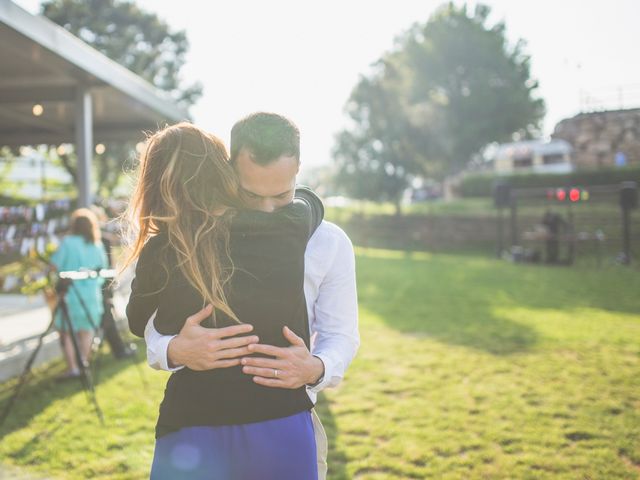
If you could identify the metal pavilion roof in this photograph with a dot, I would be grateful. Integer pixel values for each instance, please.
(42, 69)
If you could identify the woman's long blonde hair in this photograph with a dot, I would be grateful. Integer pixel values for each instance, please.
(187, 188)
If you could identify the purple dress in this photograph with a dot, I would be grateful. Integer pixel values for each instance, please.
(279, 449)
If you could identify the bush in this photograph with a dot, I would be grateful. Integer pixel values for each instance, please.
(481, 185)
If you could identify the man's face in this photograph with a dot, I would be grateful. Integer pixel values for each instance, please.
(266, 187)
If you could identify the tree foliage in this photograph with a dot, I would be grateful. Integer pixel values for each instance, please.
(137, 40)
(134, 38)
(378, 154)
(449, 87)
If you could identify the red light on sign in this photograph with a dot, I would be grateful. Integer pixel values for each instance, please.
(561, 194)
(574, 195)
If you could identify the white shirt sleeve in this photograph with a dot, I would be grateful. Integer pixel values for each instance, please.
(157, 347)
(335, 326)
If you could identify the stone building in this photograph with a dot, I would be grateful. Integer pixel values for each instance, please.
(602, 139)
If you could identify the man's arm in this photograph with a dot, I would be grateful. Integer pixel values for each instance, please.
(157, 345)
(336, 310)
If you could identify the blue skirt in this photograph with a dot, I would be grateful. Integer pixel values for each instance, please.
(283, 448)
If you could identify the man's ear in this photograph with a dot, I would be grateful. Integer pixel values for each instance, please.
(298, 170)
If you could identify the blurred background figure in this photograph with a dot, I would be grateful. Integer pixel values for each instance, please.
(82, 248)
(110, 239)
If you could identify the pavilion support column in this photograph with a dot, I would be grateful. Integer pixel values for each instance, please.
(84, 144)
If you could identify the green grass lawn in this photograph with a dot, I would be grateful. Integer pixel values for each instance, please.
(469, 368)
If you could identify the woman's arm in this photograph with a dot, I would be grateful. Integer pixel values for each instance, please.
(145, 289)
(58, 258)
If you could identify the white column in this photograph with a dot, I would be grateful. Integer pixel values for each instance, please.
(84, 144)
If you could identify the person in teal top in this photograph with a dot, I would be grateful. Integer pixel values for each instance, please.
(81, 249)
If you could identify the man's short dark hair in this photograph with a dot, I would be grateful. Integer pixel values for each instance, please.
(267, 135)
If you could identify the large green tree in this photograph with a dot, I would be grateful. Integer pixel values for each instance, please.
(137, 40)
(449, 87)
(481, 84)
(380, 152)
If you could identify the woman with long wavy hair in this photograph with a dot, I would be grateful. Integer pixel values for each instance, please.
(196, 245)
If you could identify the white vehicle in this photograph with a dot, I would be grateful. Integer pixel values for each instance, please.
(533, 156)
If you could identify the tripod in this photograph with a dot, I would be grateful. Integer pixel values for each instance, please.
(65, 283)
(109, 332)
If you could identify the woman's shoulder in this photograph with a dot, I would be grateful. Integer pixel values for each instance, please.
(308, 208)
(157, 241)
(154, 246)
(293, 214)
(79, 240)
(72, 238)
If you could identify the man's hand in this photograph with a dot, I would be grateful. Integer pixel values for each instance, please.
(292, 366)
(200, 348)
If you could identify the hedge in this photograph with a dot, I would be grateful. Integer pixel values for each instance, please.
(481, 185)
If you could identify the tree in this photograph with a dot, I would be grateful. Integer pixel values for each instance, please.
(481, 85)
(137, 40)
(378, 155)
(448, 88)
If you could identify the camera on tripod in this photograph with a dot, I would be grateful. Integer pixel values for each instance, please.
(85, 273)
(63, 285)
(66, 278)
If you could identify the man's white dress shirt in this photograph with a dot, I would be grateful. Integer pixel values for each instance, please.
(330, 291)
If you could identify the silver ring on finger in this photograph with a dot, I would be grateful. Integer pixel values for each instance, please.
(275, 372)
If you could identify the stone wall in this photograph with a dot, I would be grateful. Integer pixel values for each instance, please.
(596, 137)
(423, 232)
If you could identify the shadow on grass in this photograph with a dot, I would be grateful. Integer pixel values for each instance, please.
(454, 298)
(38, 441)
(42, 390)
(337, 459)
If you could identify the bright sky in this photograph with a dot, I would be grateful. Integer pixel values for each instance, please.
(302, 59)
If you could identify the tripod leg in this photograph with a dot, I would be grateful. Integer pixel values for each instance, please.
(85, 308)
(111, 334)
(27, 369)
(97, 369)
(85, 373)
(102, 328)
(99, 338)
(132, 358)
(134, 361)
(96, 328)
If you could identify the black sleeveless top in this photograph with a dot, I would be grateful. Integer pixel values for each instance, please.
(265, 290)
